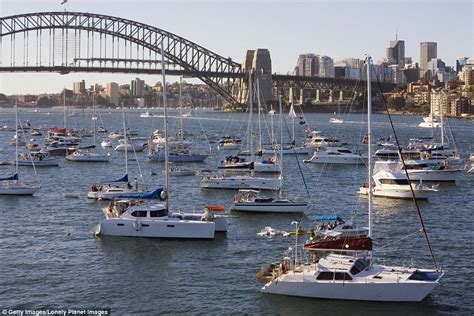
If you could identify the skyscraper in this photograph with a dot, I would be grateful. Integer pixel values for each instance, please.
(428, 51)
(326, 67)
(137, 87)
(307, 65)
(396, 52)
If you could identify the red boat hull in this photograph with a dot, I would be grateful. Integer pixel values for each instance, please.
(341, 244)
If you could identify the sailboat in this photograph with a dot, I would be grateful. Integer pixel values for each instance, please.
(147, 214)
(430, 121)
(218, 181)
(348, 277)
(337, 119)
(253, 201)
(293, 148)
(84, 155)
(11, 185)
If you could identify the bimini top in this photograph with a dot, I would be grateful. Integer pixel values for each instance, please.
(148, 195)
(329, 218)
(121, 179)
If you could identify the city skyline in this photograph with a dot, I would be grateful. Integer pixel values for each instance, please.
(337, 39)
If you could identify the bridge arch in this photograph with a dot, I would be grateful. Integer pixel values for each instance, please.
(221, 73)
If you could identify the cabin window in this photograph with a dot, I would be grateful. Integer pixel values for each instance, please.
(329, 276)
(139, 214)
(345, 151)
(359, 266)
(395, 181)
(159, 213)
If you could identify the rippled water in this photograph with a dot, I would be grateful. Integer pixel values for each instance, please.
(50, 257)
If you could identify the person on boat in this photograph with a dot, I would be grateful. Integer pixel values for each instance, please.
(312, 235)
(129, 186)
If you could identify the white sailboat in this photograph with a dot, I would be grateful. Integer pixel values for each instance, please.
(337, 119)
(11, 185)
(346, 277)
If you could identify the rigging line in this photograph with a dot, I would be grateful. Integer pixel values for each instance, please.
(297, 161)
(420, 217)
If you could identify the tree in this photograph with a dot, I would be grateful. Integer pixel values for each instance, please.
(397, 103)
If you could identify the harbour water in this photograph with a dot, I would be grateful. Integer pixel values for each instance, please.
(50, 258)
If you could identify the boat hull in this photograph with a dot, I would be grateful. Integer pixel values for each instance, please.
(179, 158)
(18, 190)
(39, 163)
(446, 175)
(179, 229)
(239, 183)
(87, 158)
(396, 193)
(407, 291)
(269, 207)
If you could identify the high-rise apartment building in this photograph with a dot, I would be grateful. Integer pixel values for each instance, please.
(307, 65)
(137, 87)
(428, 51)
(79, 87)
(396, 52)
(112, 91)
(326, 67)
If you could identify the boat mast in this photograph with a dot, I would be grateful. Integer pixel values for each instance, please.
(259, 110)
(252, 156)
(369, 138)
(125, 138)
(94, 118)
(165, 126)
(181, 124)
(281, 142)
(16, 138)
(431, 117)
(64, 107)
(441, 113)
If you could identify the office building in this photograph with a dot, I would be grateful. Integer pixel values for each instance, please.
(396, 53)
(428, 51)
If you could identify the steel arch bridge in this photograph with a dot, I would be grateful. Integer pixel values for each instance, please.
(73, 41)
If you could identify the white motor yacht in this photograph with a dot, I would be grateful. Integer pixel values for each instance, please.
(123, 146)
(430, 122)
(38, 159)
(82, 155)
(336, 120)
(240, 182)
(396, 185)
(335, 155)
(252, 201)
(316, 140)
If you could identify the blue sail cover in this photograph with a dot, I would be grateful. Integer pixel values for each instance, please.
(149, 195)
(121, 179)
(13, 177)
(329, 218)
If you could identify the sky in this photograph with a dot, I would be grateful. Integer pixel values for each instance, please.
(339, 29)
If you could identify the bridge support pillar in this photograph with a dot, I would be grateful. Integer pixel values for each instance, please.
(341, 95)
(318, 99)
(301, 96)
(331, 96)
(290, 95)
